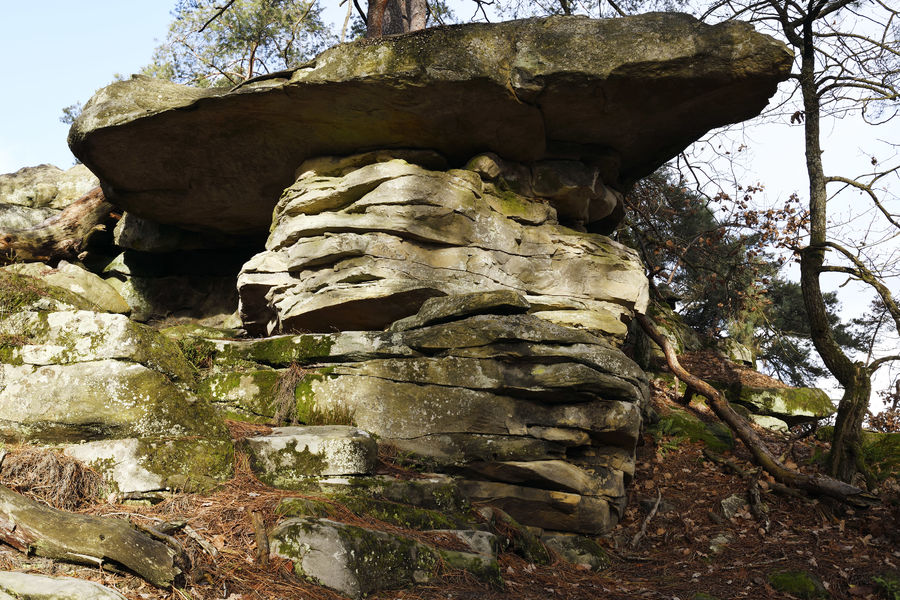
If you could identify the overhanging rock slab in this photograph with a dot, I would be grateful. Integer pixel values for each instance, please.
(626, 94)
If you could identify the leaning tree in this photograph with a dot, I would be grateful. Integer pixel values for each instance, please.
(847, 62)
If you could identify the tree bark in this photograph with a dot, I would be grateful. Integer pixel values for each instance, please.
(818, 485)
(63, 236)
(388, 17)
(35, 528)
(845, 458)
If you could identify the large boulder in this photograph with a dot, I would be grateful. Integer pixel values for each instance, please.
(356, 245)
(624, 94)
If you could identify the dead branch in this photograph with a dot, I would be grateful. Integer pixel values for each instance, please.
(62, 236)
(640, 534)
(35, 528)
(817, 485)
(262, 540)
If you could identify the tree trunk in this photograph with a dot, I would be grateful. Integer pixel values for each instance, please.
(63, 236)
(388, 17)
(35, 528)
(845, 458)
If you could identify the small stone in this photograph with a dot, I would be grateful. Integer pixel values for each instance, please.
(719, 542)
(732, 505)
(42, 587)
(578, 550)
(289, 455)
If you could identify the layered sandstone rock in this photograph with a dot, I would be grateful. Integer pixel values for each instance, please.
(115, 393)
(536, 418)
(356, 245)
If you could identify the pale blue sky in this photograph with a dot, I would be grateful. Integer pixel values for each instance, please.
(58, 52)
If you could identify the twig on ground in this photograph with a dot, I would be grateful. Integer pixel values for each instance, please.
(201, 541)
(640, 534)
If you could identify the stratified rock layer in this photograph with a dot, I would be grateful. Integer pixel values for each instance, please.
(356, 246)
(536, 418)
(627, 94)
(114, 392)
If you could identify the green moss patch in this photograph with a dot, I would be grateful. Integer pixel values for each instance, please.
(401, 515)
(888, 584)
(280, 351)
(189, 465)
(678, 423)
(798, 583)
(882, 453)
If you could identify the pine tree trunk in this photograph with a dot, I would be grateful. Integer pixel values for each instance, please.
(388, 17)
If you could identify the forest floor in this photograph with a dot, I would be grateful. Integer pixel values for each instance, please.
(689, 546)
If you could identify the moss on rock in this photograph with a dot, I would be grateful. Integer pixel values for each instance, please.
(800, 584)
(681, 423)
(401, 515)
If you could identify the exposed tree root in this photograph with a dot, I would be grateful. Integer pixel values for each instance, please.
(816, 485)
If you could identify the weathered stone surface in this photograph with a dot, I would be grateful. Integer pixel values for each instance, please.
(356, 561)
(25, 293)
(65, 338)
(480, 542)
(46, 187)
(76, 280)
(563, 382)
(449, 308)
(465, 386)
(408, 410)
(550, 88)
(361, 251)
(116, 392)
(547, 509)
(546, 474)
(773, 423)
(289, 455)
(25, 586)
(95, 400)
(141, 465)
(792, 405)
(243, 395)
(578, 549)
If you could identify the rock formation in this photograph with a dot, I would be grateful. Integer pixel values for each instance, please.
(623, 94)
(114, 393)
(438, 202)
(436, 284)
(358, 245)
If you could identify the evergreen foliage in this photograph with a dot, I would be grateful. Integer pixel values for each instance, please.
(724, 277)
(207, 46)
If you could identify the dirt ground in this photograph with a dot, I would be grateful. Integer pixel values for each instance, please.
(845, 548)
